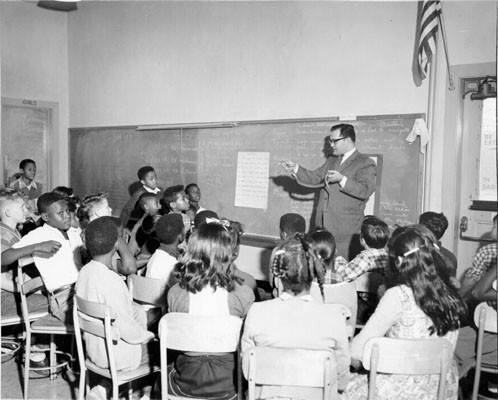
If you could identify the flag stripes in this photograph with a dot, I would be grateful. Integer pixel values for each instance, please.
(429, 25)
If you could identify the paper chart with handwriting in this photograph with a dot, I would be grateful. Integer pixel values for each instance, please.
(251, 187)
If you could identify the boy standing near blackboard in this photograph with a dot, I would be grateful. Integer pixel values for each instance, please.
(132, 212)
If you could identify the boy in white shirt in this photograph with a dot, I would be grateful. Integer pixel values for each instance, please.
(59, 271)
(170, 231)
(99, 281)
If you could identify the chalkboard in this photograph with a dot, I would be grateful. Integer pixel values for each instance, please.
(106, 159)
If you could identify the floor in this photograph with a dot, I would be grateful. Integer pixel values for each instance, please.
(39, 387)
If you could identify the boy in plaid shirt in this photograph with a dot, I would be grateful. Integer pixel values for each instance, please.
(373, 238)
(484, 259)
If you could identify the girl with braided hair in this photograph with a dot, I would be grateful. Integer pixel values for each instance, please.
(295, 319)
(422, 304)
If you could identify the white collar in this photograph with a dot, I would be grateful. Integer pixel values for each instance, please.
(22, 184)
(348, 154)
(155, 191)
(286, 296)
(49, 227)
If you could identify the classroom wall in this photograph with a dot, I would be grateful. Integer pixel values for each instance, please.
(34, 64)
(151, 63)
(172, 62)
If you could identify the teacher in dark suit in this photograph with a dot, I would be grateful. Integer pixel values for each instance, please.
(346, 181)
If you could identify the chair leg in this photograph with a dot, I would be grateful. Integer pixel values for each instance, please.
(82, 384)
(87, 383)
(73, 340)
(53, 360)
(130, 391)
(115, 391)
(27, 355)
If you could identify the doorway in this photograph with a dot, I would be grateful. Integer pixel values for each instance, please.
(27, 126)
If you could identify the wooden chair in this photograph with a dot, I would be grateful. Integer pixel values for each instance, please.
(407, 357)
(197, 333)
(97, 319)
(273, 366)
(47, 325)
(148, 291)
(37, 308)
(339, 293)
(33, 299)
(369, 282)
(485, 318)
(367, 286)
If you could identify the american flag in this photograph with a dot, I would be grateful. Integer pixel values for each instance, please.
(429, 25)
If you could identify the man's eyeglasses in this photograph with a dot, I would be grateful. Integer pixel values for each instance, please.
(334, 141)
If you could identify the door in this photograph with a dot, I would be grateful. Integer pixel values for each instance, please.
(26, 127)
(476, 177)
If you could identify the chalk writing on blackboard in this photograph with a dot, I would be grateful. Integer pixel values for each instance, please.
(251, 187)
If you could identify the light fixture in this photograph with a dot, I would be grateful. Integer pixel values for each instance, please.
(60, 5)
(481, 88)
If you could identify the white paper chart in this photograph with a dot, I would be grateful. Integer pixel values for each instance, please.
(251, 187)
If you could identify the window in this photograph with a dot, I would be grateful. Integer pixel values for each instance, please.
(487, 156)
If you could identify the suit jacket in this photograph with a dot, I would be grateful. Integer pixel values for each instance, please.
(340, 210)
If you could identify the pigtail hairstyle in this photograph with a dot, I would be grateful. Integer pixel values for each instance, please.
(415, 260)
(207, 260)
(296, 263)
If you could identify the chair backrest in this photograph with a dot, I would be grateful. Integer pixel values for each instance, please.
(200, 333)
(369, 282)
(26, 315)
(486, 317)
(197, 333)
(274, 366)
(339, 293)
(409, 357)
(27, 287)
(95, 319)
(148, 290)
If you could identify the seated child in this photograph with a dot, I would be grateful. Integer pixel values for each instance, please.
(100, 282)
(465, 350)
(295, 319)
(325, 247)
(73, 203)
(235, 230)
(177, 202)
(206, 287)
(202, 216)
(484, 259)
(420, 305)
(373, 238)
(13, 211)
(95, 206)
(149, 203)
(170, 231)
(26, 183)
(194, 195)
(148, 178)
(437, 224)
(290, 224)
(59, 271)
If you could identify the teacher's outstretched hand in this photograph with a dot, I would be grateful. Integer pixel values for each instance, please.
(289, 165)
